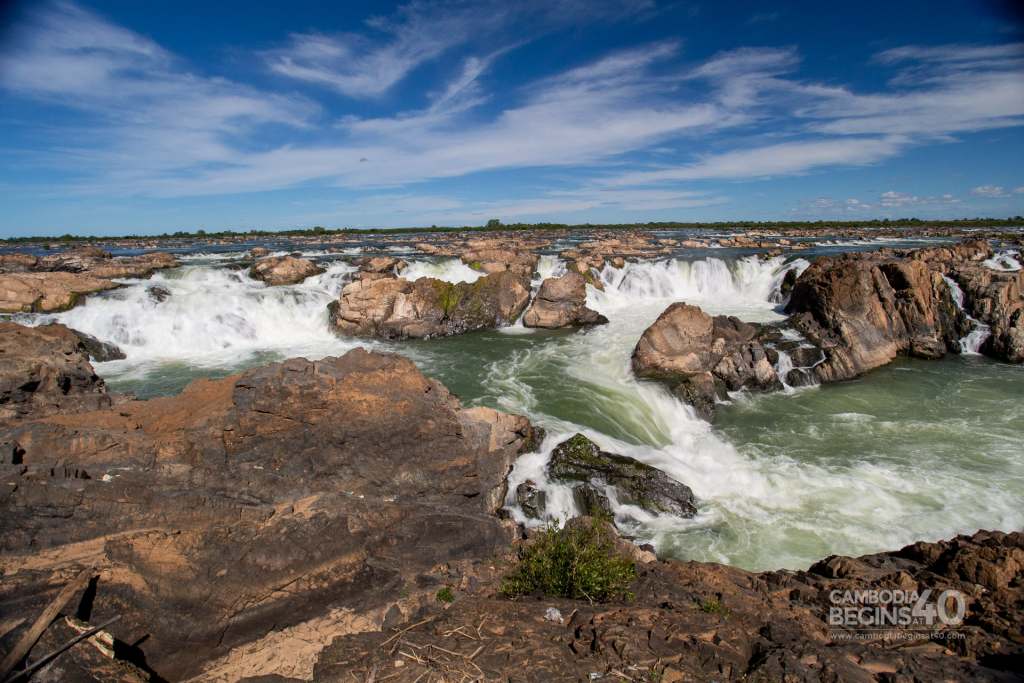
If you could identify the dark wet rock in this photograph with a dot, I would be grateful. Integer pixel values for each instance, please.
(99, 351)
(532, 500)
(579, 459)
(272, 502)
(700, 621)
(591, 502)
(158, 294)
(701, 356)
(788, 281)
(45, 370)
(283, 270)
(562, 302)
(394, 308)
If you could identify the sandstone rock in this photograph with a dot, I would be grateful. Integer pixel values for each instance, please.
(140, 266)
(578, 459)
(702, 356)
(46, 292)
(381, 264)
(17, 263)
(490, 259)
(254, 504)
(45, 370)
(398, 309)
(283, 270)
(562, 302)
(259, 252)
(865, 309)
(996, 299)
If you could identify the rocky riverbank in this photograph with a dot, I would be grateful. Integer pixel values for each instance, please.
(852, 313)
(315, 520)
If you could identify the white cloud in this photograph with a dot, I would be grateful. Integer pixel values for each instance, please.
(1018, 190)
(989, 191)
(772, 160)
(360, 65)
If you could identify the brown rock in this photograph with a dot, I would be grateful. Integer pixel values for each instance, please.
(561, 302)
(397, 309)
(283, 270)
(47, 292)
(701, 356)
(45, 370)
(256, 504)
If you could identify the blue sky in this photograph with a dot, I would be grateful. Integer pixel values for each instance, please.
(122, 116)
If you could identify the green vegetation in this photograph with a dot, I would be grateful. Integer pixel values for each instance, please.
(445, 595)
(578, 562)
(495, 225)
(712, 606)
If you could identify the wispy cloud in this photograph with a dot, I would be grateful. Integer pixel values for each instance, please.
(990, 191)
(368, 65)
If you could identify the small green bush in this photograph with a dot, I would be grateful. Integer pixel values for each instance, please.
(578, 562)
(445, 595)
(712, 606)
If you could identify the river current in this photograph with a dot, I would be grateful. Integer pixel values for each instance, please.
(919, 450)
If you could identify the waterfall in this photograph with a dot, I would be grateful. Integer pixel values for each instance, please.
(970, 344)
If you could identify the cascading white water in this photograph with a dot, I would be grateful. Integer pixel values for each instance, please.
(1006, 260)
(971, 343)
(450, 270)
(213, 316)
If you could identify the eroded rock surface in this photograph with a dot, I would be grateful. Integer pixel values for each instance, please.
(46, 370)
(253, 504)
(702, 356)
(691, 621)
(283, 270)
(394, 308)
(562, 302)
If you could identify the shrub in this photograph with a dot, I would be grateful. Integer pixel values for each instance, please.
(578, 562)
(445, 595)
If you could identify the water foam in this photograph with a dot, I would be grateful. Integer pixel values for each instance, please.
(450, 270)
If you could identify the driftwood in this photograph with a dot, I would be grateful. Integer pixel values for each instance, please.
(50, 656)
(25, 643)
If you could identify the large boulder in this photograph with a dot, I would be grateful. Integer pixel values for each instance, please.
(283, 270)
(865, 309)
(702, 356)
(578, 460)
(562, 302)
(287, 504)
(47, 292)
(45, 370)
(393, 308)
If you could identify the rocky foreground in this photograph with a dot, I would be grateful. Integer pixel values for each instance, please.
(340, 520)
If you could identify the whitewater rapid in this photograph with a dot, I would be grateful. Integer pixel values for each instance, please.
(769, 492)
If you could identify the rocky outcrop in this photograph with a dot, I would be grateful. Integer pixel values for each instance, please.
(996, 299)
(865, 309)
(394, 308)
(59, 282)
(47, 292)
(45, 370)
(274, 504)
(690, 621)
(283, 270)
(98, 350)
(562, 302)
(578, 460)
(702, 356)
(489, 259)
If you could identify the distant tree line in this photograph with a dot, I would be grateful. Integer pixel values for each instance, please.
(495, 225)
